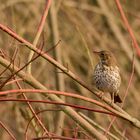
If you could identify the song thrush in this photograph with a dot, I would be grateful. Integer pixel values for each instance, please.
(106, 75)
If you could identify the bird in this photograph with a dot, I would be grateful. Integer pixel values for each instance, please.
(107, 75)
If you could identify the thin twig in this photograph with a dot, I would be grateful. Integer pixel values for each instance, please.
(8, 131)
(39, 31)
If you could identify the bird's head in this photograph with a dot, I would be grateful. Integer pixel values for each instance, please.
(106, 57)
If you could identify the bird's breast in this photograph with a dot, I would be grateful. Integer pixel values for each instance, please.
(107, 78)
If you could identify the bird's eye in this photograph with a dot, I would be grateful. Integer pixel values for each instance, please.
(102, 54)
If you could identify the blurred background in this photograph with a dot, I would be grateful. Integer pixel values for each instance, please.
(82, 26)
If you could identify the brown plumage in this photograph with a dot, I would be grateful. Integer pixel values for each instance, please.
(107, 76)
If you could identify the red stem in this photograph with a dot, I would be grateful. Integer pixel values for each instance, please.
(56, 103)
(126, 23)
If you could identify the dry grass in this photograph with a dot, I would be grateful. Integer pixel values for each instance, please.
(82, 26)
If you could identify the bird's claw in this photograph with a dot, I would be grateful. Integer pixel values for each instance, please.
(101, 95)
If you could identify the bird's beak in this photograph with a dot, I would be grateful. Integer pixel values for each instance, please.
(96, 52)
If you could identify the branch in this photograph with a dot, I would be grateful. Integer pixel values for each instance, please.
(126, 23)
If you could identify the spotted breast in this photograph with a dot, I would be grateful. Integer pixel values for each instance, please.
(107, 79)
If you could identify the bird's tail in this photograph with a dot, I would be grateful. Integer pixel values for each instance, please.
(117, 99)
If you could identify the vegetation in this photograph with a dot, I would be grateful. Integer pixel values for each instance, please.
(47, 64)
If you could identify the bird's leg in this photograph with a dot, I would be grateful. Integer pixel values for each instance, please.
(101, 94)
(112, 97)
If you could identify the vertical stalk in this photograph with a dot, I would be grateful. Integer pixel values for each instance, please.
(60, 83)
